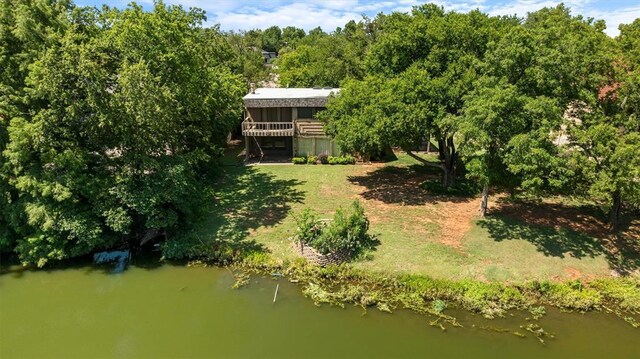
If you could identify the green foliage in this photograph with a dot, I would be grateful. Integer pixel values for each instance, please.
(247, 56)
(346, 233)
(308, 228)
(624, 292)
(272, 39)
(462, 188)
(629, 42)
(421, 66)
(324, 159)
(124, 128)
(299, 160)
(312, 160)
(324, 60)
(570, 295)
(291, 36)
(341, 160)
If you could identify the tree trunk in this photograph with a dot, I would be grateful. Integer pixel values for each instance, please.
(441, 149)
(614, 215)
(485, 200)
(448, 149)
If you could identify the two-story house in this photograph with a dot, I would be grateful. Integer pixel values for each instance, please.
(281, 123)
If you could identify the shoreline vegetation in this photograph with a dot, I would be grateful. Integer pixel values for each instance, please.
(340, 285)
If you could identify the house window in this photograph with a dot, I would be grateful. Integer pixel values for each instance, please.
(305, 112)
(308, 112)
(273, 143)
(272, 114)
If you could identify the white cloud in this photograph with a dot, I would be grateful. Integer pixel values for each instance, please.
(303, 15)
(615, 18)
(329, 14)
(587, 8)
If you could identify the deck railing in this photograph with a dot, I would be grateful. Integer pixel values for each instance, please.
(267, 128)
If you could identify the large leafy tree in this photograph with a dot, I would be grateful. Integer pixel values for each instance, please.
(291, 35)
(629, 42)
(247, 58)
(580, 153)
(427, 61)
(128, 111)
(514, 131)
(26, 29)
(494, 114)
(272, 39)
(321, 59)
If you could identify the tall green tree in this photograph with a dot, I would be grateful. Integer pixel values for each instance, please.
(326, 60)
(572, 151)
(494, 114)
(429, 59)
(272, 39)
(629, 43)
(291, 35)
(27, 28)
(247, 58)
(128, 112)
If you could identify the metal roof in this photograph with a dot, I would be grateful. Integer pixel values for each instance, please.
(265, 93)
(289, 97)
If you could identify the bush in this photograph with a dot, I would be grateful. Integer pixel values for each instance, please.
(311, 160)
(323, 158)
(308, 227)
(299, 160)
(348, 232)
(341, 160)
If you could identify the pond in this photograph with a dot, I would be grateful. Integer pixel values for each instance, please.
(177, 311)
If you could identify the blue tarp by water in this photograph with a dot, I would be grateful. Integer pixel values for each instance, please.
(120, 257)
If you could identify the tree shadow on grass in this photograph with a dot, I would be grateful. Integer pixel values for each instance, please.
(245, 199)
(554, 242)
(411, 185)
(561, 242)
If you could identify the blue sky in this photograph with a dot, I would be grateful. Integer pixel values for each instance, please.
(307, 14)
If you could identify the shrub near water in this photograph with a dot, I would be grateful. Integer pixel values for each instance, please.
(346, 233)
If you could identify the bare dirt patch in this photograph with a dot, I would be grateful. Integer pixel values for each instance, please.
(388, 191)
(456, 219)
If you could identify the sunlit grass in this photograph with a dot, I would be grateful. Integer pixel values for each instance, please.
(495, 249)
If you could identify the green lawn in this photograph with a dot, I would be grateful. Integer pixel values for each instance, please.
(419, 233)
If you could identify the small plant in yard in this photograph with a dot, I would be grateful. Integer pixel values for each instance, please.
(308, 226)
(346, 233)
(299, 160)
(323, 158)
(312, 160)
(341, 160)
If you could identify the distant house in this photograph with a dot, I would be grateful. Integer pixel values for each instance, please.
(281, 123)
(269, 56)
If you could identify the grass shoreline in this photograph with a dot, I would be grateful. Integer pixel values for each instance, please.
(343, 284)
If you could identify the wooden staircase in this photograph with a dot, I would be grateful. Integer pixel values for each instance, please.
(310, 128)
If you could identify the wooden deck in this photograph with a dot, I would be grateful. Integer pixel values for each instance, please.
(280, 129)
(303, 128)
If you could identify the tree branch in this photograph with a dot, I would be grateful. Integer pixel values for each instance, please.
(425, 162)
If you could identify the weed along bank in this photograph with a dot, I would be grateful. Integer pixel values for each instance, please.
(280, 123)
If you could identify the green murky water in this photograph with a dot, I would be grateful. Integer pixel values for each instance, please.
(173, 312)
